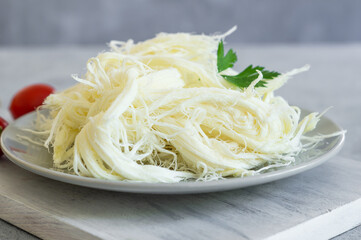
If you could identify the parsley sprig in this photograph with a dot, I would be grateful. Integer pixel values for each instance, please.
(247, 76)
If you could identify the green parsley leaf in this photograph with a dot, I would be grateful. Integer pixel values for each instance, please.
(227, 61)
(248, 75)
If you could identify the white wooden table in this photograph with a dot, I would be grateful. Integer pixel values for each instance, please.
(323, 202)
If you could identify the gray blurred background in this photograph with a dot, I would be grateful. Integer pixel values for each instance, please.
(74, 22)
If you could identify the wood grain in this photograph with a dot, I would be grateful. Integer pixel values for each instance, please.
(38, 222)
(49, 209)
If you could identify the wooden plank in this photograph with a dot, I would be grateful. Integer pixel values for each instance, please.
(325, 226)
(38, 222)
(250, 213)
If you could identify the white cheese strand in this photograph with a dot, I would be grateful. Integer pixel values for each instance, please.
(159, 111)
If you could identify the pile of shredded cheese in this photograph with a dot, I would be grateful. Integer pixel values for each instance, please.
(158, 111)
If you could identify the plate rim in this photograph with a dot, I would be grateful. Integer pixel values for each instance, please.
(169, 188)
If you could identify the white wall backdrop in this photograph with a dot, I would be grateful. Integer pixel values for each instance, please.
(39, 22)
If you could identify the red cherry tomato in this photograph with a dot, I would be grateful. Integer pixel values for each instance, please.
(29, 98)
(3, 125)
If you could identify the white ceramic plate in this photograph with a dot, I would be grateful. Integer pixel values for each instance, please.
(38, 160)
